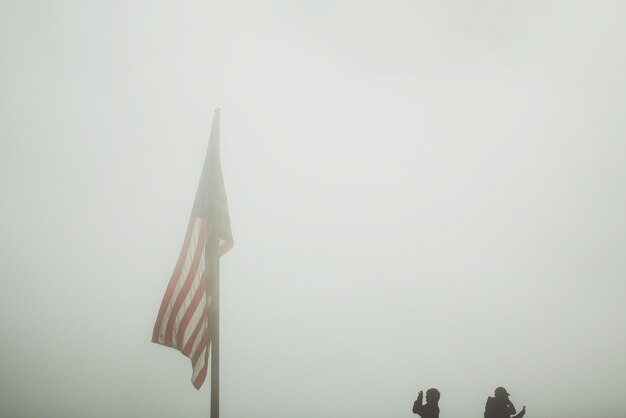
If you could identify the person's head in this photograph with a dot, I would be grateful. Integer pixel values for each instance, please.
(432, 395)
(501, 393)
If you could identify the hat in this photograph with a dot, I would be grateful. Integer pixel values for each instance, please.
(500, 391)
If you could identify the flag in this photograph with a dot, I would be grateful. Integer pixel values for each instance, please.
(185, 316)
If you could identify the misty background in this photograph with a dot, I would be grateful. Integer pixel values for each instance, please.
(422, 194)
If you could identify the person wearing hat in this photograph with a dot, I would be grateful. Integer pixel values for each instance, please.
(431, 408)
(500, 406)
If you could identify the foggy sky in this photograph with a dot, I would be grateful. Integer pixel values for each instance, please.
(422, 194)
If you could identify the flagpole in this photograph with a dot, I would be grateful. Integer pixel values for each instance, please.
(214, 263)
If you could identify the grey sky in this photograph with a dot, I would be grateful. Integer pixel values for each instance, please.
(422, 194)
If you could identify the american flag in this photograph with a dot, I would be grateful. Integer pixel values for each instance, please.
(185, 317)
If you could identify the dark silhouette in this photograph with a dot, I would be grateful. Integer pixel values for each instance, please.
(431, 408)
(501, 407)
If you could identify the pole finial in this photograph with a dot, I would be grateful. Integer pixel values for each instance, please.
(218, 109)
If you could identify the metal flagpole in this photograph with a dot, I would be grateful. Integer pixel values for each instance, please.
(212, 255)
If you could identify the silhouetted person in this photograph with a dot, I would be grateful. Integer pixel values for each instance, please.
(431, 408)
(501, 407)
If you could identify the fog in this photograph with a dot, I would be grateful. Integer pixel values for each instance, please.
(422, 194)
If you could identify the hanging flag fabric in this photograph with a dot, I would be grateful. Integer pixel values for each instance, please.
(184, 318)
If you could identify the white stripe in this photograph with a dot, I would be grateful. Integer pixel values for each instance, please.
(196, 343)
(193, 322)
(197, 367)
(192, 291)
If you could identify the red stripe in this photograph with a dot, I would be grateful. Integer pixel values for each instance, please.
(197, 298)
(173, 280)
(169, 335)
(199, 326)
(204, 342)
(200, 378)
